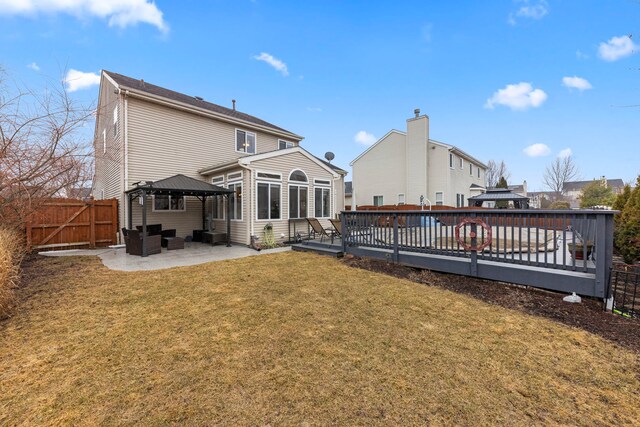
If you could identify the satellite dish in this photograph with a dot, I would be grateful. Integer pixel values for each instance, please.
(329, 156)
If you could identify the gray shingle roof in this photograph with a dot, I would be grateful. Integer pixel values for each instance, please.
(180, 184)
(498, 194)
(579, 185)
(348, 188)
(142, 86)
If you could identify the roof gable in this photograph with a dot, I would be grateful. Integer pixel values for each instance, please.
(123, 81)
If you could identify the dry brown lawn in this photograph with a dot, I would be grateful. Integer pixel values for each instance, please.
(292, 338)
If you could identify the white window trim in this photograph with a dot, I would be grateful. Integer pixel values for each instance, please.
(478, 172)
(373, 199)
(288, 144)
(236, 182)
(403, 198)
(104, 141)
(470, 169)
(263, 178)
(297, 169)
(435, 202)
(324, 187)
(115, 120)
(224, 208)
(322, 182)
(153, 206)
(255, 136)
(270, 183)
(461, 163)
(217, 180)
(298, 184)
(452, 161)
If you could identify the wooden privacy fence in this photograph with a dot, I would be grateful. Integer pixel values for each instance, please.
(71, 223)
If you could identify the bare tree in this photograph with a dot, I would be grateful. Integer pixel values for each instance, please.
(41, 155)
(495, 171)
(560, 171)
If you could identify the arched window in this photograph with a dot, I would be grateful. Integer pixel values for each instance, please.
(298, 176)
(298, 194)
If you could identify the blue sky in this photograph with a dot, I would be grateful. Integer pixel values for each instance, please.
(513, 80)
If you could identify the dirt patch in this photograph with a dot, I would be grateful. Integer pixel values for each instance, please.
(588, 315)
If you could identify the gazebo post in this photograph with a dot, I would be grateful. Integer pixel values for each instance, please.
(144, 224)
(129, 213)
(204, 216)
(228, 196)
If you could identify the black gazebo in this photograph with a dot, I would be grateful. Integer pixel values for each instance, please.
(178, 186)
(500, 195)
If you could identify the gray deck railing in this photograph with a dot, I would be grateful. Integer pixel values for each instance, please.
(571, 243)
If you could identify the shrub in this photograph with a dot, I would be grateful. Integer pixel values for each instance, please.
(627, 232)
(560, 204)
(11, 252)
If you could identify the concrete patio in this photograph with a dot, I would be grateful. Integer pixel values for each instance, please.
(194, 253)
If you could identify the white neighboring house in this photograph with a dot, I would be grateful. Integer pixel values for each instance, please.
(402, 167)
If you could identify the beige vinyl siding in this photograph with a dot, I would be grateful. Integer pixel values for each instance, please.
(164, 142)
(109, 165)
(239, 229)
(381, 171)
(285, 165)
(184, 222)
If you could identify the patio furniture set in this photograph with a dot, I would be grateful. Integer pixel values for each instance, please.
(157, 238)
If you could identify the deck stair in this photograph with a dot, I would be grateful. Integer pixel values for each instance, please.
(324, 248)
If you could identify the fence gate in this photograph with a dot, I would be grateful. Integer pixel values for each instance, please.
(71, 223)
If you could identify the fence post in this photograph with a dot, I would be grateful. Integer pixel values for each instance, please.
(396, 244)
(115, 221)
(92, 224)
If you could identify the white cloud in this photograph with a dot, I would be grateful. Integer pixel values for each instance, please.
(120, 13)
(537, 150)
(529, 11)
(77, 80)
(33, 66)
(364, 138)
(576, 83)
(314, 109)
(274, 62)
(616, 48)
(520, 96)
(565, 153)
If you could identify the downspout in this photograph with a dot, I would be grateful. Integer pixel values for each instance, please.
(250, 228)
(126, 148)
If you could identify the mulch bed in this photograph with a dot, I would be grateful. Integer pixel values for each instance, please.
(588, 315)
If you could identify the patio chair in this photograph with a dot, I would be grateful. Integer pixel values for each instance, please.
(134, 243)
(337, 227)
(318, 229)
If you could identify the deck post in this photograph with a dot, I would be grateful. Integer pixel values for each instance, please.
(603, 253)
(396, 244)
(228, 196)
(343, 231)
(129, 211)
(204, 215)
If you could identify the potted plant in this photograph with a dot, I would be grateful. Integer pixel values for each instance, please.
(579, 248)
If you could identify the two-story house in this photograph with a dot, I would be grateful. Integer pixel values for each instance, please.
(147, 133)
(403, 167)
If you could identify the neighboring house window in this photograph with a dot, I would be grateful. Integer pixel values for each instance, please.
(378, 201)
(401, 199)
(104, 141)
(168, 203)
(439, 198)
(115, 121)
(461, 163)
(282, 144)
(235, 199)
(451, 160)
(298, 194)
(460, 200)
(470, 169)
(245, 141)
(102, 194)
(269, 200)
(322, 202)
(478, 172)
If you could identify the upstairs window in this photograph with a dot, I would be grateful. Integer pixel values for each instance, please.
(282, 144)
(470, 169)
(451, 160)
(245, 142)
(461, 163)
(478, 172)
(104, 141)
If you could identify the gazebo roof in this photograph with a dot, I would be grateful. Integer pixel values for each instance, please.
(179, 185)
(497, 195)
